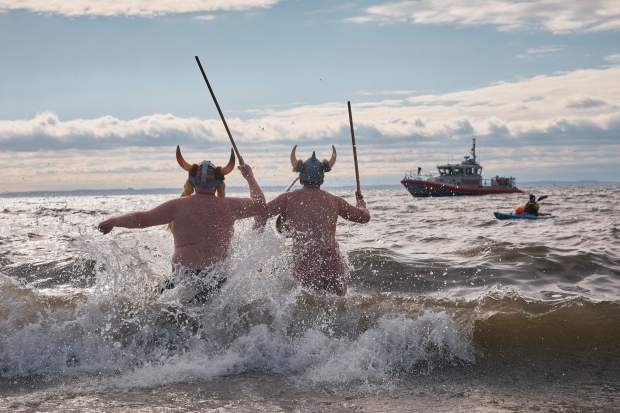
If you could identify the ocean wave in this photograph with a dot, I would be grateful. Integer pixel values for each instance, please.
(78, 272)
(444, 287)
(488, 264)
(155, 344)
(313, 338)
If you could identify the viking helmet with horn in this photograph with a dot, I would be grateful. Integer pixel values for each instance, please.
(205, 175)
(312, 171)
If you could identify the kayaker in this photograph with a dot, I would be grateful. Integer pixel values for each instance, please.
(532, 206)
(201, 224)
(311, 217)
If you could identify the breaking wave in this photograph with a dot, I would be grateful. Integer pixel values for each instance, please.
(422, 299)
(261, 321)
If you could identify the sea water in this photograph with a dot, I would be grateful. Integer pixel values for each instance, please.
(447, 309)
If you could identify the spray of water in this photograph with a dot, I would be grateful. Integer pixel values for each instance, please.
(261, 321)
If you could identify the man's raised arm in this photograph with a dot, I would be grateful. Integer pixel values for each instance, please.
(256, 204)
(356, 214)
(160, 215)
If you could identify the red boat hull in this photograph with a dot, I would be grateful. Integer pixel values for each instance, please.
(422, 188)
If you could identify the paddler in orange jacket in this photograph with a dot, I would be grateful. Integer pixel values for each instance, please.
(532, 206)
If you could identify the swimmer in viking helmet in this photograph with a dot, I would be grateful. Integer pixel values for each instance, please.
(201, 222)
(311, 216)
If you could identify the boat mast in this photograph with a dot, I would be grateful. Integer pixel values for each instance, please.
(473, 149)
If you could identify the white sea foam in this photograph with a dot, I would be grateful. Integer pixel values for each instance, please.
(394, 347)
(260, 322)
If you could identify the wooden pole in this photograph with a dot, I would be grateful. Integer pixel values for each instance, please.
(357, 172)
(217, 105)
(292, 184)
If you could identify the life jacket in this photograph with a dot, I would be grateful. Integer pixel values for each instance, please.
(531, 208)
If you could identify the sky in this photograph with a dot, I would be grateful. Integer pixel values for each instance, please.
(96, 94)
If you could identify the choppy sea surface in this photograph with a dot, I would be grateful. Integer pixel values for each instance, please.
(448, 309)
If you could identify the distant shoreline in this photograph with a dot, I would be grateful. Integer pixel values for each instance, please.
(155, 191)
(239, 189)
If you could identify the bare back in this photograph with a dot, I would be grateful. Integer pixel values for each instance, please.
(202, 224)
(311, 216)
(203, 228)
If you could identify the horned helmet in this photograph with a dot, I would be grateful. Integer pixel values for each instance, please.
(205, 175)
(312, 171)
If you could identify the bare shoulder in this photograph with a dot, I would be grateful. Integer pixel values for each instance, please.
(234, 203)
(175, 202)
(334, 198)
(234, 200)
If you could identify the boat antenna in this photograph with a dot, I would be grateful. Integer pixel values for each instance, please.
(473, 149)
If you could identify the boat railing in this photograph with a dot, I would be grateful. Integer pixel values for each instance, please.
(501, 181)
(414, 175)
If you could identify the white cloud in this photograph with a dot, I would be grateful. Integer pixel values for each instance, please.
(548, 121)
(537, 105)
(557, 16)
(541, 51)
(142, 8)
(613, 58)
(206, 17)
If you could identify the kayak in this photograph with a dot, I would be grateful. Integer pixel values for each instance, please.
(512, 215)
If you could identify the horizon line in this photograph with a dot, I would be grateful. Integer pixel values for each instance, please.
(149, 191)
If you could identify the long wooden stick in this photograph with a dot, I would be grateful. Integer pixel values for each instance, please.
(357, 172)
(217, 105)
(292, 184)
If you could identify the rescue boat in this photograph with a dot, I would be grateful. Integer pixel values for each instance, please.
(464, 178)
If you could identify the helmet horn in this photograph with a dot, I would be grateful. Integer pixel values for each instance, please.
(294, 162)
(182, 162)
(332, 160)
(231, 164)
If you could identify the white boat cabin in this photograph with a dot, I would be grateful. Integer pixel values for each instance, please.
(468, 173)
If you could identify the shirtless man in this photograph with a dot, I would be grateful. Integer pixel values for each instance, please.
(311, 217)
(201, 223)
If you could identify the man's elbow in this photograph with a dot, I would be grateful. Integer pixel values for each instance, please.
(363, 217)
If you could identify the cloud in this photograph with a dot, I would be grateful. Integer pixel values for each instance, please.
(556, 16)
(140, 8)
(585, 103)
(544, 122)
(613, 58)
(542, 51)
(47, 132)
(206, 17)
(542, 106)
